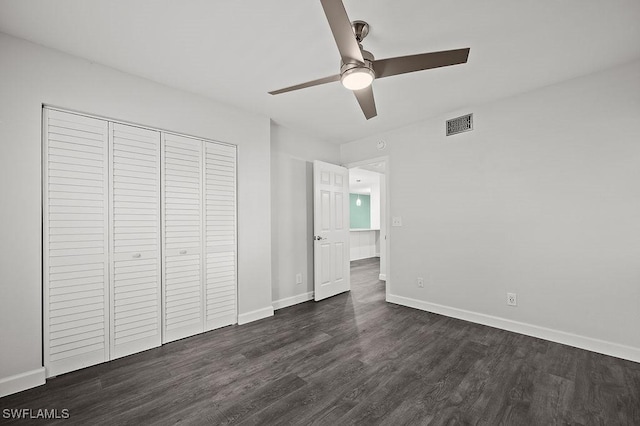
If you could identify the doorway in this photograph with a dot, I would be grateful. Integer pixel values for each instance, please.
(368, 183)
(336, 241)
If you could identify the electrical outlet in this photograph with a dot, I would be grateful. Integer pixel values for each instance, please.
(396, 221)
(298, 278)
(420, 282)
(511, 299)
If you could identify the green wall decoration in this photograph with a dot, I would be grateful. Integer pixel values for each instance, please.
(360, 215)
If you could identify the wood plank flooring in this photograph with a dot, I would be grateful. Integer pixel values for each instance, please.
(351, 359)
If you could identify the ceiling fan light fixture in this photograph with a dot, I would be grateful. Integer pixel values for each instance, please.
(357, 78)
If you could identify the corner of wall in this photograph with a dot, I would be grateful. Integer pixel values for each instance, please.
(293, 300)
(292, 154)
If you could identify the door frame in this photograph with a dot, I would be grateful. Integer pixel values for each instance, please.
(384, 198)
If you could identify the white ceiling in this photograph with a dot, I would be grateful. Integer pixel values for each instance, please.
(377, 167)
(361, 180)
(235, 51)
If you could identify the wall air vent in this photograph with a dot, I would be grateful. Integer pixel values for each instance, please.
(460, 124)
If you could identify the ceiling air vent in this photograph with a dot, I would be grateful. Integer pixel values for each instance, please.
(460, 124)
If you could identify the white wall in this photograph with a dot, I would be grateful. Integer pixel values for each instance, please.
(363, 244)
(292, 156)
(542, 199)
(382, 240)
(31, 75)
(375, 201)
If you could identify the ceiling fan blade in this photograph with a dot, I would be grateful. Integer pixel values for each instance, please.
(366, 101)
(423, 61)
(342, 31)
(317, 82)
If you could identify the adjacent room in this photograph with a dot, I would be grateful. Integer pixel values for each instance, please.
(320, 212)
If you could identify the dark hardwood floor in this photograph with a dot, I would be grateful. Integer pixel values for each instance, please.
(349, 359)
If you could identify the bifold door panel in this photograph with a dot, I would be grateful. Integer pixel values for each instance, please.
(76, 303)
(135, 235)
(182, 171)
(220, 230)
(139, 241)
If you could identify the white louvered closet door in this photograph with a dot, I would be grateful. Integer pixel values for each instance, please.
(220, 231)
(183, 230)
(135, 234)
(75, 242)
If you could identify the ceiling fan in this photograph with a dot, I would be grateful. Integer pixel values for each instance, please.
(359, 68)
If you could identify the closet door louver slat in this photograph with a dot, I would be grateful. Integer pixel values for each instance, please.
(220, 232)
(75, 242)
(182, 239)
(135, 236)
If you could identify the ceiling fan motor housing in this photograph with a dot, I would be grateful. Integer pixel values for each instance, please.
(356, 67)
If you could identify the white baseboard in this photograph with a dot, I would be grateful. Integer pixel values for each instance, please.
(256, 315)
(364, 257)
(570, 339)
(294, 300)
(382, 277)
(22, 381)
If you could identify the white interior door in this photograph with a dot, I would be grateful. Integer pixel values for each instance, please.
(331, 230)
(135, 235)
